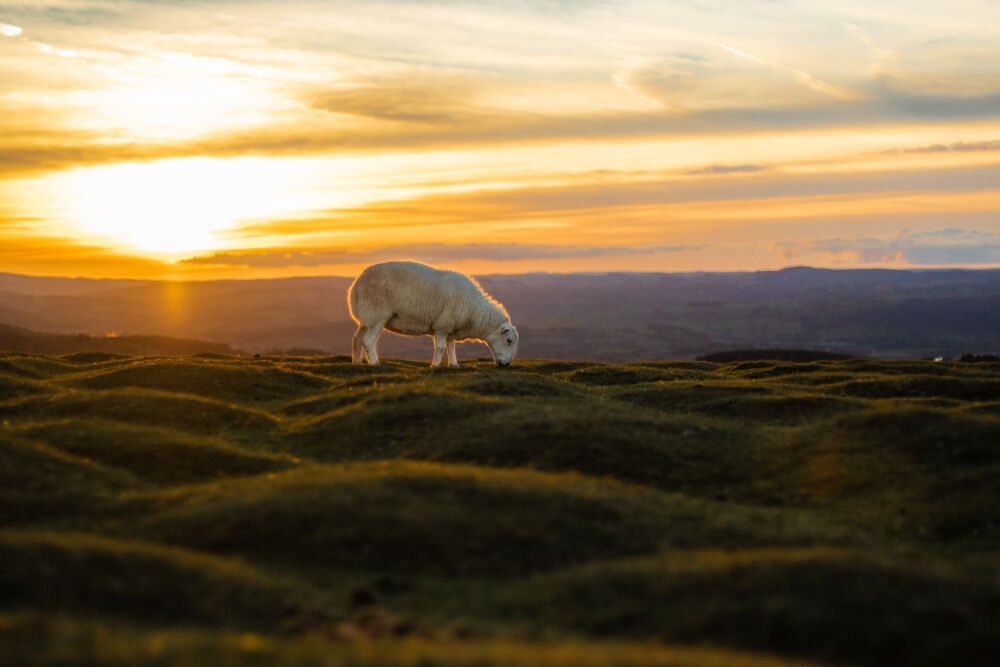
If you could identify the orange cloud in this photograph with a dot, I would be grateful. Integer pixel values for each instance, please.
(49, 255)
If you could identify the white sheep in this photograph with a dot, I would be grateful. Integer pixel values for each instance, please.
(414, 299)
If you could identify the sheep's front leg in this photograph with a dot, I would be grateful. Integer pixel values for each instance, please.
(439, 345)
(452, 359)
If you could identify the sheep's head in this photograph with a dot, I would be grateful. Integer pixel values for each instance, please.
(503, 344)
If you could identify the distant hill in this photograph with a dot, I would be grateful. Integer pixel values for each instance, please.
(16, 339)
(803, 356)
(609, 317)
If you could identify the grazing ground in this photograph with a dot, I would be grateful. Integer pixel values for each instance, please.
(304, 511)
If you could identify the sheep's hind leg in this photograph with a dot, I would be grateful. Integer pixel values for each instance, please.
(358, 345)
(369, 338)
(452, 358)
(439, 345)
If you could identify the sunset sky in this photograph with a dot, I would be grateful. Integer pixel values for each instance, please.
(205, 139)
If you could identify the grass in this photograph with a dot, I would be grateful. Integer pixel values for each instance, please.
(97, 574)
(300, 510)
(153, 453)
(30, 639)
(756, 599)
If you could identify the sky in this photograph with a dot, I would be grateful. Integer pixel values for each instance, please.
(210, 139)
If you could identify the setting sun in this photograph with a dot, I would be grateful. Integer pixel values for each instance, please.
(171, 208)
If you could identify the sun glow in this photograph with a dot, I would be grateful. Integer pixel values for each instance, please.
(173, 207)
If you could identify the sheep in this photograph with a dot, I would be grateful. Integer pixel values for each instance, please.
(414, 299)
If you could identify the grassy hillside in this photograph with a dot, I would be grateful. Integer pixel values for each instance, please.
(300, 510)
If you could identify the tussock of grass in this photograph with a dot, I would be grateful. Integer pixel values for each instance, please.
(15, 387)
(138, 581)
(339, 369)
(932, 438)
(986, 409)
(312, 360)
(93, 357)
(703, 368)
(424, 518)
(35, 640)
(142, 406)
(823, 604)
(373, 382)
(606, 375)
(873, 367)
(69, 365)
(918, 386)
(682, 396)
(603, 440)
(794, 409)
(953, 463)
(755, 370)
(377, 425)
(739, 367)
(155, 454)
(512, 384)
(405, 517)
(548, 367)
(321, 405)
(239, 384)
(584, 435)
(215, 356)
(11, 369)
(814, 380)
(40, 482)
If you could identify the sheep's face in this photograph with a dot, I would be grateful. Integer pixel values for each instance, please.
(503, 344)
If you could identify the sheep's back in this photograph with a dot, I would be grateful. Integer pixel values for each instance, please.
(418, 291)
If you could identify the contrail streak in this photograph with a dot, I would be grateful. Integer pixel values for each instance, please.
(804, 78)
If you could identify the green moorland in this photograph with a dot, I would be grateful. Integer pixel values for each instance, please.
(303, 511)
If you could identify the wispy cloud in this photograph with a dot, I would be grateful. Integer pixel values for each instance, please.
(427, 252)
(317, 136)
(9, 30)
(18, 223)
(804, 78)
(722, 169)
(763, 195)
(318, 98)
(955, 147)
(415, 95)
(949, 246)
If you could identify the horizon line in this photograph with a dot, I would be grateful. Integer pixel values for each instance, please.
(525, 273)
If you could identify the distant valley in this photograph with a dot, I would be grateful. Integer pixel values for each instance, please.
(608, 317)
